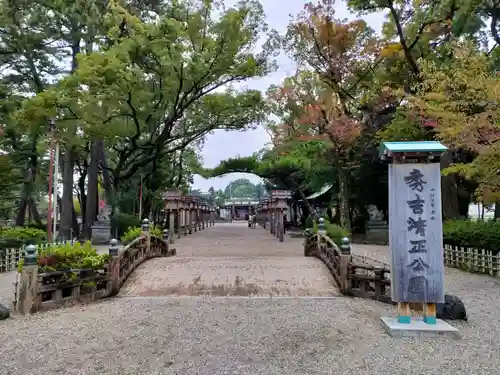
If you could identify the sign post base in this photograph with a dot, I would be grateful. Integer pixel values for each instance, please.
(418, 328)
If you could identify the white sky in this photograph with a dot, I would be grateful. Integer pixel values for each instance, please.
(223, 145)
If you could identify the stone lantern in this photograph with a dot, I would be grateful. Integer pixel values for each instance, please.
(196, 213)
(172, 199)
(280, 202)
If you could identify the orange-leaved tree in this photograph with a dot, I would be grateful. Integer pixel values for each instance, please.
(339, 57)
(315, 127)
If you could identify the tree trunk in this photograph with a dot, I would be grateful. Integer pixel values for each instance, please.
(449, 189)
(345, 220)
(92, 191)
(82, 196)
(67, 208)
(106, 177)
(21, 214)
(146, 206)
(496, 213)
(35, 216)
(25, 205)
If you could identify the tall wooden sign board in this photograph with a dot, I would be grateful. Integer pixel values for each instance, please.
(415, 226)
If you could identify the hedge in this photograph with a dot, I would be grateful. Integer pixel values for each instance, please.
(63, 257)
(476, 234)
(12, 237)
(120, 223)
(135, 232)
(334, 231)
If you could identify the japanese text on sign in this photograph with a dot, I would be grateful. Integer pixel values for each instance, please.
(417, 285)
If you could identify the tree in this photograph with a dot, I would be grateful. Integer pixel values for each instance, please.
(461, 100)
(147, 94)
(240, 188)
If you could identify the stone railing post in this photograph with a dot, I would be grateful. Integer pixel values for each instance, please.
(203, 216)
(345, 259)
(195, 216)
(190, 217)
(171, 224)
(321, 226)
(198, 217)
(114, 268)
(147, 233)
(321, 231)
(271, 216)
(267, 218)
(179, 220)
(164, 235)
(113, 247)
(28, 285)
(185, 206)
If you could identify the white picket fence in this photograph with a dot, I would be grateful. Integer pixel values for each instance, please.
(9, 258)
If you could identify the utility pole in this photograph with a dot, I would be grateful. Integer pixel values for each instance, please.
(52, 129)
(56, 182)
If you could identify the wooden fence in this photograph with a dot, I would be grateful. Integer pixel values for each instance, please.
(364, 277)
(472, 259)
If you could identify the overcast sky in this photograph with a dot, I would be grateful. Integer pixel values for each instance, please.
(223, 145)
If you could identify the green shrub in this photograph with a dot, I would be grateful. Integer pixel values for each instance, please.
(468, 233)
(309, 222)
(333, 231)
(68, 256)
(336, 232)
(11, 237)
(120, 223)
(135, 232)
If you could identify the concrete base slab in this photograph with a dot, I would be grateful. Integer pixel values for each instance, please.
(417, 328)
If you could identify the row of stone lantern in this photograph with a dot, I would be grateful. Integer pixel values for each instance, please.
(186, 213)
(271, 212)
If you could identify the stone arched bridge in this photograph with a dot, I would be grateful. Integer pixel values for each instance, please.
(231, 259)
(173, 316)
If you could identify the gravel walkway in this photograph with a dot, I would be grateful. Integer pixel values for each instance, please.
(193, 335)
(238, 336)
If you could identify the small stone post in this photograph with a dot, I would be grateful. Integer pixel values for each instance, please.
(345, 258)
(179, 219)
(191, 216)
(185, 204)
(114, 268)
(28, 286)
(321, 226)
(195, 215)
(165, 239)
(147, 233)
(113, 247)
(198, 217)
(203, 216)
(267, 210)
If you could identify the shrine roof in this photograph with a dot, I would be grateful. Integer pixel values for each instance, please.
(416, 146)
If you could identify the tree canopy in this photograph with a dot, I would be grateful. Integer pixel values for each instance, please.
(130, 90)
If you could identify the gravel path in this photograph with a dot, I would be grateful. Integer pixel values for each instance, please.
(238, 336)
(201, 335)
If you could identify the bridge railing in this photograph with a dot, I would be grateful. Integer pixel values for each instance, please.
(354, 275)
(39, 291)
